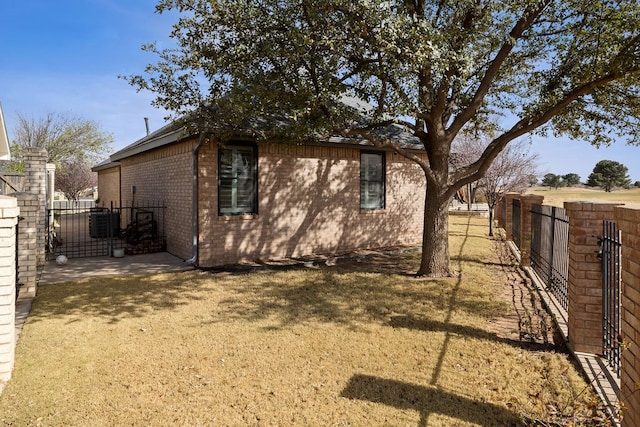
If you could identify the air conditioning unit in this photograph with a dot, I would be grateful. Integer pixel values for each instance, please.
(104, 224)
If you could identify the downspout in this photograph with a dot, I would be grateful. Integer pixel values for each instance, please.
(194, 203)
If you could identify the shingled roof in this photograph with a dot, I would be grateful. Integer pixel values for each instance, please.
(175, 132)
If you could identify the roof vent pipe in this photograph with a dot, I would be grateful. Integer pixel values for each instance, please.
(146, 124)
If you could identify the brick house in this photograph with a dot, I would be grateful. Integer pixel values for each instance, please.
(249, 201)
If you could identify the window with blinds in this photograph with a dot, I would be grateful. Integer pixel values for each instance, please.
(372, 181)
(237, 180)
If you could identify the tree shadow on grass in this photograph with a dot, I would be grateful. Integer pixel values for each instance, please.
(428, 325)
(113, 298)
(347, 294)
(347, 298)
(427, 401)
(368, 288)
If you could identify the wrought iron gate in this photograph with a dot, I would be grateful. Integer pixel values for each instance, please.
(81, 229)
(610, 253)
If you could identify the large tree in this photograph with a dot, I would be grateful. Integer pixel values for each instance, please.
(67, 139)
(608, 174)
(510, 171)
(281, 67)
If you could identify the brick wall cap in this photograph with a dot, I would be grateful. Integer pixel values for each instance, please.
(587, 204)
(25, 196)
(8, 202)
(532, 196)
(628, 206)
(30, 151)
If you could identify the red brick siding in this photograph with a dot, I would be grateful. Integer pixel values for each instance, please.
(164, 174)
(109, 186)
(628, 220)
(309, 203)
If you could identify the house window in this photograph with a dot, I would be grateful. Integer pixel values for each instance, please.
(372, 177)
(237, 180)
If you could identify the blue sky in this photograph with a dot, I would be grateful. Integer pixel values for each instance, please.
(65, 56)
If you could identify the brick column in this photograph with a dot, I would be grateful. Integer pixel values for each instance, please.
(585, 275)
(508, 225)
(8, 220)
(628, 221)
(27, 243)
(497, 212)
(35, 161)
(50, 183)
(525, 226)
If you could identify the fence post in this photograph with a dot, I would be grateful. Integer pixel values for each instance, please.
(35, 167)
(525, 226)
(8, 220)
(584, 311)
(28, 242)
(497, 213)
(508, 227)
(628, 221)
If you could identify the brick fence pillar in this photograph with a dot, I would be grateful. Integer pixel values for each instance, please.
(50, 189)
(628, 221)
(508, 221)
(497, 213)
(525, 226)
(584, 312)
(27, 243)
(35, 167)
(8, 220)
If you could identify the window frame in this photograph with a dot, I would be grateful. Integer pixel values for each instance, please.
(364, 179)
(233, 146)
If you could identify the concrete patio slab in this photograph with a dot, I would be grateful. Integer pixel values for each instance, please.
(82, 268)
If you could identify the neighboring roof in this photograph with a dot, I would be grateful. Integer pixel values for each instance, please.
(5, 154)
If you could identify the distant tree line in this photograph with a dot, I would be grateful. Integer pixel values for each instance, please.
(557, 181)
(607, 174)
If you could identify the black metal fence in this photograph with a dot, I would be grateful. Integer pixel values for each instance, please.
(610, 253)
(550, 249)
(82, 229)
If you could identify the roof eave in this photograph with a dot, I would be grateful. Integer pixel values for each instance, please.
(104, 166)
(146, 145)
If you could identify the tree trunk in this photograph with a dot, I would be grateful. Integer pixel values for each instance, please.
(435, 237)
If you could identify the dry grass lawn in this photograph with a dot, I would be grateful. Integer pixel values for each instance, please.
(357, 344)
